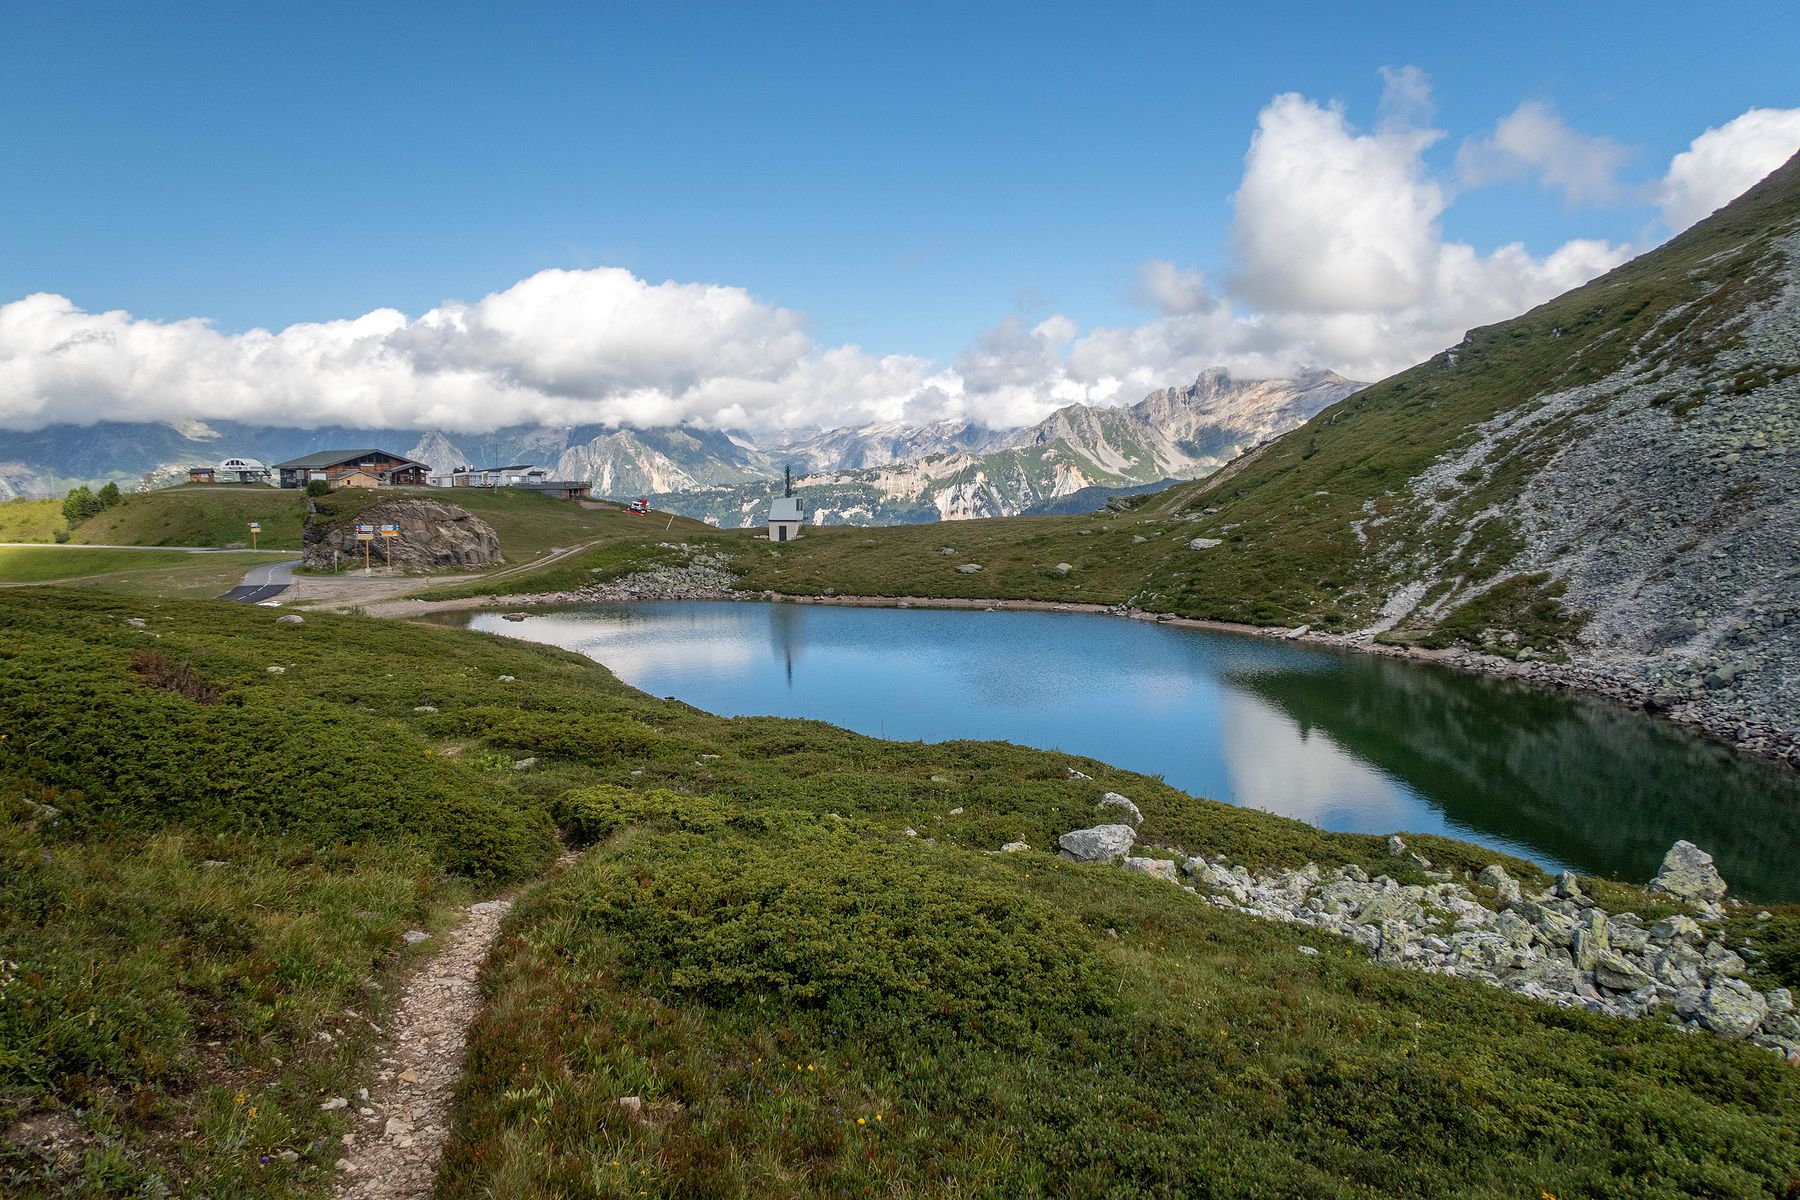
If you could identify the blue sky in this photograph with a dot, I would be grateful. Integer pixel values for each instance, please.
(905, 176)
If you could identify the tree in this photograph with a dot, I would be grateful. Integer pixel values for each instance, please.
(109, 495)
(318, 487)
(80, 504)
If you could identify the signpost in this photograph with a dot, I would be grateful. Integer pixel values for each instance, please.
(255, 528)
(388, 534)
(365, 534)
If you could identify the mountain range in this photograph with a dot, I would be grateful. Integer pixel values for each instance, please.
(872, 474)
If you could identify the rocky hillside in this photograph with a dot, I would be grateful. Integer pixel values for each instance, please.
(1612, 479)
(1173, 433)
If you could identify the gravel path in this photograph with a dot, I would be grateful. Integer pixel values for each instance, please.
(404, 1120)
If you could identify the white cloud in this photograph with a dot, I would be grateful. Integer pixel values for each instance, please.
(1340, 262)
(1172, 289)
(1723, 163)
(1534, 140)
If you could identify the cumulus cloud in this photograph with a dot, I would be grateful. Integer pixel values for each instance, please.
(1723, 163)
(561, 347)
(1339, 261)
(1533, 140)
(1172, 289)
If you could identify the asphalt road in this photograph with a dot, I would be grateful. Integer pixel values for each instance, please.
(264, 583)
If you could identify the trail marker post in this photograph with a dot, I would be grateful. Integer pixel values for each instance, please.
(255, 528)
(388, 534)
(365, 534)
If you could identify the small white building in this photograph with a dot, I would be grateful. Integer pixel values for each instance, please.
(785, 518)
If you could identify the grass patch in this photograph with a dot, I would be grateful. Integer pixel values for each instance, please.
(31, 520)
(808, 1009)
(134, 572)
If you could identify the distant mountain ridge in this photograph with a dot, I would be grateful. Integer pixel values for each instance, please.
(875, 474)
(1174, 433)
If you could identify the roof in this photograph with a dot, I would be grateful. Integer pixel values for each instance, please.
(329, 458)
(786, 508)
(241, 464)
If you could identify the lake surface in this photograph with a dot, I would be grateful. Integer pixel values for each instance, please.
(1349, 742)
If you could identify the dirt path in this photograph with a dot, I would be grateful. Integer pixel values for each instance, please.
(404, 1119)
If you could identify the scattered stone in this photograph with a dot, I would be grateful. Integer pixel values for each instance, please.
(1203, 543)
(956, 812)
(909, 831)
(276, 670)
(1074, 774)
(425, 708)
(1309, 951)
(525, 764)
(1061, 569)
(506, 679)
(413, 937)
(1014, 848)
(1614, 971)
(1732, 1008)
(968, 568)
(290, 619)
(1396, 847)
(1102, 843)
(136, 622)
(1123, 806)
(1687, 873)
(335, 1103)
(1155, 868)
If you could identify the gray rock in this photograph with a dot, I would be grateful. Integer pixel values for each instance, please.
(1014, 848)
(1061, 569)
(1677, 929)
(1122, 807)
(1687, 873)
(1720, 960)
(432, 533)
(290, 619)
(1102, 843)
(1732, 1008)
(413, 937)
(1155, 868)
(1617, 973)
(968, 568)
(1591, 942)
(1396, 847)
(1781, 1001)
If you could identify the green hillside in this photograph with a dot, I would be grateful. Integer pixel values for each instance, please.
(805, 998)
(137, 572)
(198, 516)
(1324, 525)
(30, 520)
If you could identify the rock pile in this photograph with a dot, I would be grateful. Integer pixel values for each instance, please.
(700, 575)
(1556, 946)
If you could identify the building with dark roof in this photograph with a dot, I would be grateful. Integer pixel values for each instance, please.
(370, 468)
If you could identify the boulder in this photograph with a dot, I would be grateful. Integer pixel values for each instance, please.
(1122, 808)
(1677, 929)
(1687, 873)
(1591, 941)
(1155, 868)
(290, 619)
(1061, 569)
(1014, 848)
(432, 534)
(1617, 973)
(1732, 1008)
(1102, 843)
(968, 568)
(1203, 543)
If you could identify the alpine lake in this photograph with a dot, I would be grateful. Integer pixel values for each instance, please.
(1347, 741)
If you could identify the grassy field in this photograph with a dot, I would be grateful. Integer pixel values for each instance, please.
(807, 1001)
(199, 516)
(135, 572)
(31, 520)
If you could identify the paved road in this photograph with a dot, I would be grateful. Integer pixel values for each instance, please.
(264, 583)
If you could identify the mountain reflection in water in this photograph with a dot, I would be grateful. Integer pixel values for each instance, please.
(1347, 741)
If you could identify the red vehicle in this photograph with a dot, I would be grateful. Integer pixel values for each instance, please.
(639, 506)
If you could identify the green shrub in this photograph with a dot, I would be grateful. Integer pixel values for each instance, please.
(317, 488)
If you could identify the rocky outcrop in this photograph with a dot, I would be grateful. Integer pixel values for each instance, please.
(1557, 945)
(1687, 873)
(432, 534)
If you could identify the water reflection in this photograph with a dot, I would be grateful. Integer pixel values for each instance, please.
(1346, 741)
